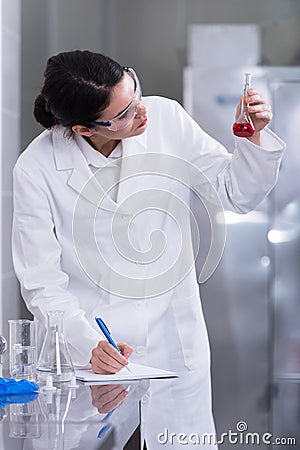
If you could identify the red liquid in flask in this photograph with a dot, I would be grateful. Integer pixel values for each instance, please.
(243, 129)
(243, 126)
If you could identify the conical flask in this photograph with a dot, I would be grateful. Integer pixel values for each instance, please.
(55, 359)
(243, 127)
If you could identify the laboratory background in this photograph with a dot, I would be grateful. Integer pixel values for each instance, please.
(195, 51)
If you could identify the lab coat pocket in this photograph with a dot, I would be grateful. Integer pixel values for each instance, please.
(192, 332)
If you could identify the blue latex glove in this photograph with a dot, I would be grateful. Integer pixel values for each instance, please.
(10, 386)
(17, 398)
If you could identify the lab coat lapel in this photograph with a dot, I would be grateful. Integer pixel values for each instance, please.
(69, 157)
(130, 181)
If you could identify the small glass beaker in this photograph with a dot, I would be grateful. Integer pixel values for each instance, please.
(3, 347)
(55, 358)
(24, 418)
(23, 349)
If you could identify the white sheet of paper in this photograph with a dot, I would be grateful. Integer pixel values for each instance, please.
(137, 372)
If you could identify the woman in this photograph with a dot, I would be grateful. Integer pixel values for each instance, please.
(102, 160)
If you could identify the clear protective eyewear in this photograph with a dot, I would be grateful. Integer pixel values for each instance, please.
(123, 119)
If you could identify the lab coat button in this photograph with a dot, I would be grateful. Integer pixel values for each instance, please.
(140, 349)
(139, 305)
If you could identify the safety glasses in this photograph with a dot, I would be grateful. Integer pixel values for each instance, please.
(123, 119)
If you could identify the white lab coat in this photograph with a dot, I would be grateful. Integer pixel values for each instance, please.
(166, 329)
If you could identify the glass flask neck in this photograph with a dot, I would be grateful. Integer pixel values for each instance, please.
(55, 320)
(244, 115)
(247, 81)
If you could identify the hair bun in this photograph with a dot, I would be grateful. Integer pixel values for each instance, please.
(41, 114)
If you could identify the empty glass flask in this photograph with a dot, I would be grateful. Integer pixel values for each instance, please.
(55, 358)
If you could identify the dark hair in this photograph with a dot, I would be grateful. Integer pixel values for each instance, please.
(76, 89)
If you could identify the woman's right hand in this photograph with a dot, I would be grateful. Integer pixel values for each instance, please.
(106, 359)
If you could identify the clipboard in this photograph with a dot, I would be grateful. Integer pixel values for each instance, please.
(137, 372)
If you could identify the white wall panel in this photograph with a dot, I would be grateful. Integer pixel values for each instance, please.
(1, 82)
(10, 149)
(223, 45)
(50, 27)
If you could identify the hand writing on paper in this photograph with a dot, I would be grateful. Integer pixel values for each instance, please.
(106, 359)
(106, 398)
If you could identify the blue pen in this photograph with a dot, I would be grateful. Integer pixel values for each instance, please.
(107, 334)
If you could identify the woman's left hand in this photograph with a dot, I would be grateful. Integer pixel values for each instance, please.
(260, 111)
